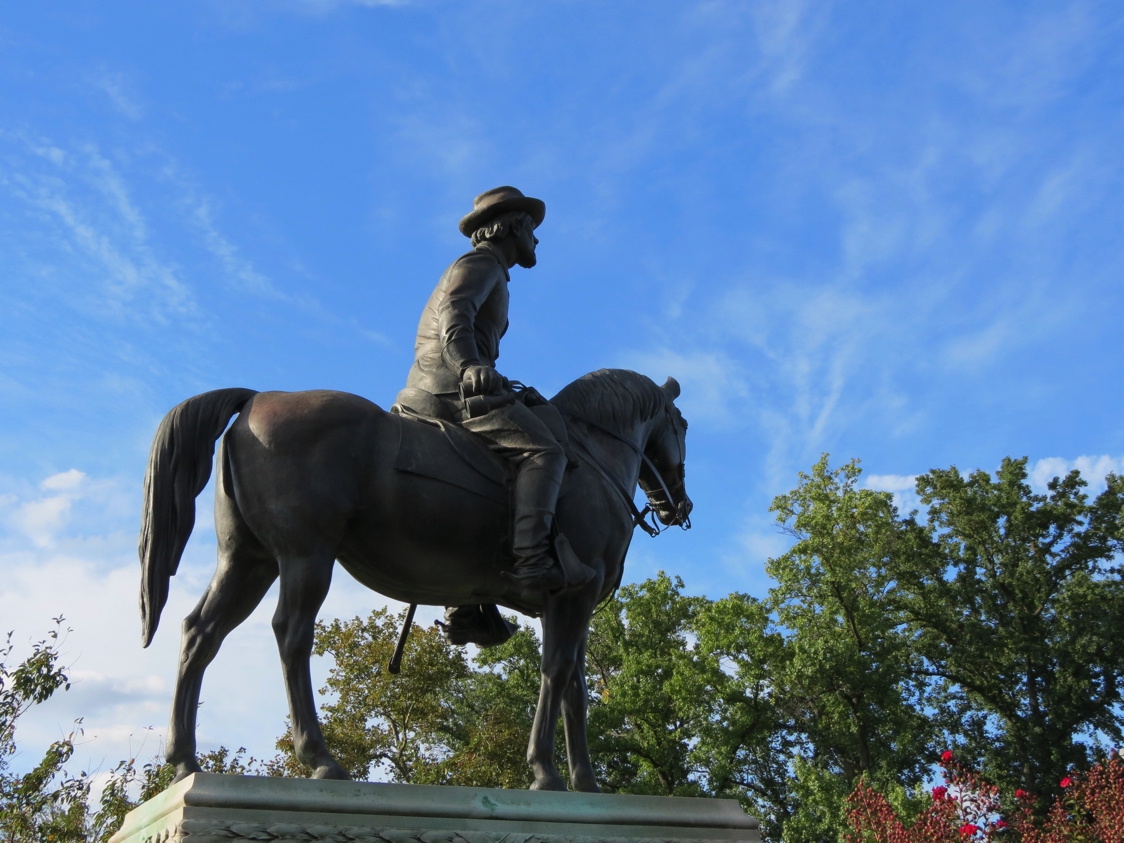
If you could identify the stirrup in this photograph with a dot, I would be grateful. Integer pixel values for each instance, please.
(576, 572)
(552, 575)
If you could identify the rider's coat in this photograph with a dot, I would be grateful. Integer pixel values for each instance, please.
(462, 323)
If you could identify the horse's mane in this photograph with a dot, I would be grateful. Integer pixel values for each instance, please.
(612, 397)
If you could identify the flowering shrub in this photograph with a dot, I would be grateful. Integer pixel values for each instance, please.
(1091, 809)
(966, 809)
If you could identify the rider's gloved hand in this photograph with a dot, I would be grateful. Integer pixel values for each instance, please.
(481, 380)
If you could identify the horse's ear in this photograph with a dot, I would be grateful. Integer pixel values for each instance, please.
(671, 388)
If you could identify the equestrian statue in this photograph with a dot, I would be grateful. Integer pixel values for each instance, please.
(472, 492)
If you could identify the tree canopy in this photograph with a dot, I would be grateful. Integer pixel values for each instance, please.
(992, 623)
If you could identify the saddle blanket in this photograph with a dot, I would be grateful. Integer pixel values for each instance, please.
(443, 451)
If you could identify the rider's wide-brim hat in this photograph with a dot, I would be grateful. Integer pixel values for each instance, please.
(491, 203)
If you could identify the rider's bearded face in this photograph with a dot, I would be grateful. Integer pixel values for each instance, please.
(525, 242)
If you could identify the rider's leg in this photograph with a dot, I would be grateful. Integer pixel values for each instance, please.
(536, 493)
(520, 436)
(548, 414)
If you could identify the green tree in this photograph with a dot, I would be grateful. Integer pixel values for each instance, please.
(376, 718)
(649, 694)
(492, 715)
(45, 804)
(439, 721)
(746, 743)
(852, 687)
(48, 804)
(1020, 618)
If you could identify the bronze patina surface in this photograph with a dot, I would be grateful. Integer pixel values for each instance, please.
(307, 479)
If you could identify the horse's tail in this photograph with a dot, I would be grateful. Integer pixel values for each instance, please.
(179, 466)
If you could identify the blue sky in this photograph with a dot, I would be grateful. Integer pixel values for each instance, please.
(887, 230)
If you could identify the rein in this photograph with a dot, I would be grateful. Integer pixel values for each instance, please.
(639, 517)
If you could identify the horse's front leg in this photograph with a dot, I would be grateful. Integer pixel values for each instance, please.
(575, 705)
(304, 585)
(565, 625)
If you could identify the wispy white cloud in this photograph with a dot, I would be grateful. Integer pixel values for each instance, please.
(202, 213)
(714, 385)
(101, 243)
(44, 514)
(778, 358)
(1015, 315)
(760, 546)
(1064, 190)
(1034, 61)
(42, 518)
(800, 347)
(1093, 469)
(786, 32)
(117, 88)
(903, 487)
(448, 139)
(379, 338)
(65, 481)
(95, 219)
(926, 285)
(237, 268)
(891, 482)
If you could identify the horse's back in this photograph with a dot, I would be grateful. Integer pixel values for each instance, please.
(299, 462)
(283, 420)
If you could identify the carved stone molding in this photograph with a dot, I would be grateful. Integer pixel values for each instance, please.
(212, 831)
(207, 808)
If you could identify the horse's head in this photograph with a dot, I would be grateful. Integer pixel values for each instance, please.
(667, 450)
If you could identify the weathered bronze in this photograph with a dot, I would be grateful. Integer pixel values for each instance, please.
(455, 356)
(415, 506)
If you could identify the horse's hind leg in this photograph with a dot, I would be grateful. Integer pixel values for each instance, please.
(244, 574)
(304, 585)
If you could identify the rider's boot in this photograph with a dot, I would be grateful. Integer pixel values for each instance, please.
(482, 625)
(538, 571)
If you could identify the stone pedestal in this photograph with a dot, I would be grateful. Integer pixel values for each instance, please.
(207, 808)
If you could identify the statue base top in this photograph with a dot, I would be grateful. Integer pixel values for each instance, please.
(207, 808)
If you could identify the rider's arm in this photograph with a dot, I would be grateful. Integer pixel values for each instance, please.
(470, 281)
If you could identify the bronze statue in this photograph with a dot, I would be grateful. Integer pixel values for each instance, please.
(417, 503)
(454, 377)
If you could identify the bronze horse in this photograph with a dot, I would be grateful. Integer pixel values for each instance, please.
(309, 478)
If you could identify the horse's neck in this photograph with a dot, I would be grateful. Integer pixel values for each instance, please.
(620, 461)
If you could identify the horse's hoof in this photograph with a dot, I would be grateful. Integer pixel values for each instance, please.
(549, 783)
(185, 769)
(331, 771)
(584, 785)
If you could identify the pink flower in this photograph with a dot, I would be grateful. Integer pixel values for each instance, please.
(1001, 824)
(1021, 794)
(1066, 782)
(946, 756)
(939, 792)
(968, 829)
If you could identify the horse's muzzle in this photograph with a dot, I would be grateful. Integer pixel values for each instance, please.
(678, 515)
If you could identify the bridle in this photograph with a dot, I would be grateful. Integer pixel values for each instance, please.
(639, 516)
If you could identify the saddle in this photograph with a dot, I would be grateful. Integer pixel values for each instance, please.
(432, 445)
